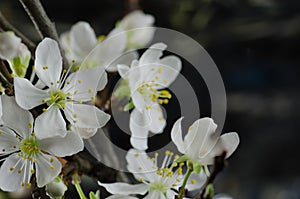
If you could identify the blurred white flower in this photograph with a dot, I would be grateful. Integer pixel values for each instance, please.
(82, 45)
(136, 24)
(63, 93)
(158, 182)
(146, 78)
(15, 53)
(202, 144)
(27, 155)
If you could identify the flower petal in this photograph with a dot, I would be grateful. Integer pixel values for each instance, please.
(139, 127)
(10, 178)
(124, 188)
(27, 95)
(158, 122)
(121, 197)
(82, 85)
(62, 146)
(48, 62)
(138, 100)
(8, 141)
(82, 40)
(201, 138)
(123, 69)
(125, 58)
(227, 142)
(50, 123)
(196, 181)
(140, 165)
(85, 115)
(47, 168)
(176, 135)
(86, 133)
(16, 118)
(10, 44)
(155, 195)
(153, 54)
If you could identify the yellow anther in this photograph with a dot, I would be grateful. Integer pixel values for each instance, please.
(160, 118)
(52, 167)
(190, 128)
(80, 101)
(35, 160)
(136, 155)
(75, 115)
(63, 105)
(79, 81)
(166, 101)
(22, 184)
(30, 125)
(45, 67)
(193, 181)
(68, 82)
(160, 70)
(141, 179)
(44, 109)
(12, 75)
(3, 150)
(52, 83)
(179, 171)
(44, 101)
(64, 71)
(32, 171)
(74, 121)
(29, 185)
(90, 90)
(11, 168)
(168, 152)
(148, 107)
(51, 160)
(140, 168)
(101, 37)
(19, 171)
(33, 134)
(174, 185)
(156, 154)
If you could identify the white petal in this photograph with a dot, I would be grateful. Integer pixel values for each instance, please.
(201, 138)
(15, 117)
(176, 135)
(123, 69)
(157, 120)
(153, 54)
(140, 165)
(50, 123)
(106, 52)
(47, 168)
(227, 142)
(82, 39)
(155, 195)
(85, 116)
(124, 188)
(62, 146)
(139, 127)
(8, 141)
(10, 44)
(125, 58)
(10, 180)
(121, 197)
(103, 80)
(83, 84)
(196, 181)
(48, 62)
(86, 133)
(27, 95)
(167, 71)
(138, 100)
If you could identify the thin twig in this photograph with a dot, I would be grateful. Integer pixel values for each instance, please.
(219, 165)
(6, 26)
(5, 72)
(44, 26)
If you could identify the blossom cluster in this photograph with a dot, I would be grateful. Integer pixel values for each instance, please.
(53, 108)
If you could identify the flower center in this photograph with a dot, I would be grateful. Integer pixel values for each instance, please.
(158, 186)
(30, 147)
(57, 98)
(162, 96)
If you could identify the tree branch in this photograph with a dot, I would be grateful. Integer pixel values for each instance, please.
(6, 26)
(219, 165)
(44, 26)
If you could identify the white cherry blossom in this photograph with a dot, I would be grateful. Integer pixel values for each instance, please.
(202, 144)
(157, 182)
(24, 154)
(67, 94)
(146, 80)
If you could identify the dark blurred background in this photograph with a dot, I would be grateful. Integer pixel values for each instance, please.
(255, 44)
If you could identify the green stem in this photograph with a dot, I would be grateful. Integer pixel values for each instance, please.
(206, 170)
(182, 188)
(78, 187)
